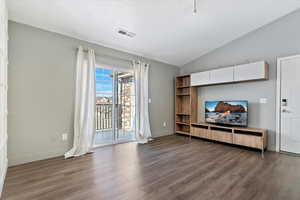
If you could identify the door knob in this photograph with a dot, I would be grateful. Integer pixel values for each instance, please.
(283, 102)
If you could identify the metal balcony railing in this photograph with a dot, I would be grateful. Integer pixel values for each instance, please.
(103, 117)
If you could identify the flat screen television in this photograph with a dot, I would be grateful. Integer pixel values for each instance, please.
(231, 113)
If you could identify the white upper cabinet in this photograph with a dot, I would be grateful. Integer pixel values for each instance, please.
(251, 71)
(223, 75)
(200, 78)
(239, 73)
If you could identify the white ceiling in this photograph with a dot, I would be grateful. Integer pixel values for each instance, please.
(166, 30)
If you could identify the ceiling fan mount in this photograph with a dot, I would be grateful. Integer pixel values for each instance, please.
(195, 7)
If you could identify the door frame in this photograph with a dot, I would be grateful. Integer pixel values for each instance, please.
(278, 99)
(114, 70)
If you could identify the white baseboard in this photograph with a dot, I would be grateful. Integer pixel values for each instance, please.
(19, 159)
(161, 133)
(2, 177)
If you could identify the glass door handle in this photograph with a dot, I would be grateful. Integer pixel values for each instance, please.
(283, 102)
(284, 110)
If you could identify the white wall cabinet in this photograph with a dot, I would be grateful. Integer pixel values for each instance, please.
(252, 71)
(3, 92)
(239, 73)
(200, 78)
(223, 75)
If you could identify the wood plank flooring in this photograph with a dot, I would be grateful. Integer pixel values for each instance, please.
(168, 168)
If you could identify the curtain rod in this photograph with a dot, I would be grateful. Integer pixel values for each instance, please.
(114, 57)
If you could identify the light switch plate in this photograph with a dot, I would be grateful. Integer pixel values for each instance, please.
(263, 100)
(64, 136)
(165, 124)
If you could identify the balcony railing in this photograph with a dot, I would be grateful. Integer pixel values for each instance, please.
(103, 116)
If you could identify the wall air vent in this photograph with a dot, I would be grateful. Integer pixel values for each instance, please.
(126, 33)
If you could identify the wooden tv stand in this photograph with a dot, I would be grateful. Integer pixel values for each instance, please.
(249, 137)
(186, 108)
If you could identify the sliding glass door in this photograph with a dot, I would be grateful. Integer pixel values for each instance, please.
(104, 107)
(125, 104)
(115, 106)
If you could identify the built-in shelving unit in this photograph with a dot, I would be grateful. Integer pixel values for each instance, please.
(182, 125)
(184, 115)
(186, 99)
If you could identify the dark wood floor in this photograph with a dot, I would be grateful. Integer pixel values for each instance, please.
(168, 168)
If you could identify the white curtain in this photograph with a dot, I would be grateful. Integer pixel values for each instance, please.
(84, 104)
(142, 98)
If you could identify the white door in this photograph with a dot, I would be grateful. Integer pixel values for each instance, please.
(290, 105)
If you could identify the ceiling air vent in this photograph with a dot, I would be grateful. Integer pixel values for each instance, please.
(126, 33)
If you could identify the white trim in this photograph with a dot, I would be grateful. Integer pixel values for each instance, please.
(3, 143)
(3, 92)
(114, 96)
(105, 66)
(113, 143)
(95, 99)
(278, 97)
(2, 178)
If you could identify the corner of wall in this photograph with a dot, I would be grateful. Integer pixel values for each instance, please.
(3, 175)
(3, 92)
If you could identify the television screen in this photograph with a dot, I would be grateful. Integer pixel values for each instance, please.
(233, 113)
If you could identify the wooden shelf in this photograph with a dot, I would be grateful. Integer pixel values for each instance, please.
(228, 127)
(183, 123)
(183, 132)
(180, 87)
(183, 76)
(183, 114)
(249, 137)
(212, 125)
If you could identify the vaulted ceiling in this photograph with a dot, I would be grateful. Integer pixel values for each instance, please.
(166, 30)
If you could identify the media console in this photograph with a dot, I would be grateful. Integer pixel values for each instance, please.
(186, 116)
(249, 137)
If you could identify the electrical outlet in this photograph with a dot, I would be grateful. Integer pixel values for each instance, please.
(165, 124)
(263, 100)
(64, 136)
(149, 100)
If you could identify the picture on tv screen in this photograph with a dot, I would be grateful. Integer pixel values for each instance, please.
(233, 113)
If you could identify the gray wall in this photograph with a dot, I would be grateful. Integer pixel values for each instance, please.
(279, 39)
(41, 92)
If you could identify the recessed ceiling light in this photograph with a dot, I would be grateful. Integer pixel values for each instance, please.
(126, 33)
